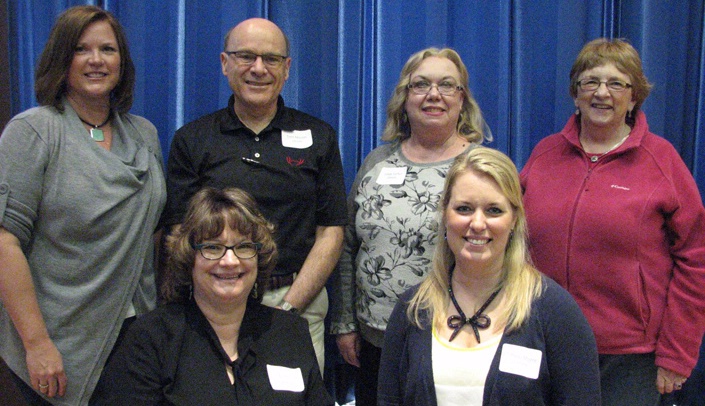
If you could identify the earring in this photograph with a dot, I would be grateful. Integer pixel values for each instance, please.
(254, 292)
(577, 112)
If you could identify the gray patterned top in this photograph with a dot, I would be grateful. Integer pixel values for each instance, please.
(389, 240)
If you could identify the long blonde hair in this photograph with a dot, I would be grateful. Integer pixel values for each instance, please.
(520, 281)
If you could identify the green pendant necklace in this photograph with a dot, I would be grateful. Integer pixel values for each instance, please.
(96, 133)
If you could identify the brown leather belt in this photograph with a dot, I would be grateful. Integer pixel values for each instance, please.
(280, 281)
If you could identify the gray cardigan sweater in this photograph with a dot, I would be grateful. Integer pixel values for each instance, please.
(85, 218)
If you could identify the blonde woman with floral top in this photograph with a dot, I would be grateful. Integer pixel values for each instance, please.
(389, 240)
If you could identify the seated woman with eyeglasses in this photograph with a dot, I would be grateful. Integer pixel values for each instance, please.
(213, 342)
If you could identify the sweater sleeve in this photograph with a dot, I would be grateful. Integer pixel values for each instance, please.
(24, 154)
(393, 366)
(683, 322)
(571, 350)
(342, 311)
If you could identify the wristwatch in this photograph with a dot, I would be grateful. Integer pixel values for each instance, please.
(288, 307)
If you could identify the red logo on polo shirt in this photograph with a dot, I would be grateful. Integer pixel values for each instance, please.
(294, 162)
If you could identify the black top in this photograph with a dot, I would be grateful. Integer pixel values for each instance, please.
(296, 178)
(172, 356)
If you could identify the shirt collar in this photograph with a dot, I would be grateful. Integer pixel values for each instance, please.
(254, 324)
(231, 122)
(571, 132)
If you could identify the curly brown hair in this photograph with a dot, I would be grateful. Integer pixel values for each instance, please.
(210, 211)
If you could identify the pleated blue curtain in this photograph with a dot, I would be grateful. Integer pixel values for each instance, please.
(347, 56)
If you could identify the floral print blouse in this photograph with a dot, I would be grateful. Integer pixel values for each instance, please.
(391, 236)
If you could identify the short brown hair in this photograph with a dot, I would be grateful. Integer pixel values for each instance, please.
(55, 61)
(210, 211)
(471, 125)
(619, 52)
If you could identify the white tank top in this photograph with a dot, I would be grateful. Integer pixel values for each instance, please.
(459, 373)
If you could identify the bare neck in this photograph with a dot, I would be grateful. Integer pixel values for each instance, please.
(428, 148)
(475, 286)
(94, 113)
(597, 140)
(226, 322)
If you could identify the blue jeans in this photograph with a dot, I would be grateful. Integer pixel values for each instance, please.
(366, 382)
(693, 392)
(629, 380)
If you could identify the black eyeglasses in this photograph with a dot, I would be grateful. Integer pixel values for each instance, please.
(247, 58)
(592, 84)
(446, 88)
(213, 251)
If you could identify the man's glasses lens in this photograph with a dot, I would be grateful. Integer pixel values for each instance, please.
(249, 58)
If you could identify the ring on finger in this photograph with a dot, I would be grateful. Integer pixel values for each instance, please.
(44, 386)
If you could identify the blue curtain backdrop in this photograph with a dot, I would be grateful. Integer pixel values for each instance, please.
(347, 56)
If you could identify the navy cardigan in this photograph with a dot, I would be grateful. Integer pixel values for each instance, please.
(568, 375)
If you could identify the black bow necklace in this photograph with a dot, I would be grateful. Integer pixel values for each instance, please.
(477, 321)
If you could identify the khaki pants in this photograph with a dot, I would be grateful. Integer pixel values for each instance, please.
(315, 314)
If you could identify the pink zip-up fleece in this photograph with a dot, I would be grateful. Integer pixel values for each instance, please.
(625, 235)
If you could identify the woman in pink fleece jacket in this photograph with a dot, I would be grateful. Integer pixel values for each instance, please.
(616, 218)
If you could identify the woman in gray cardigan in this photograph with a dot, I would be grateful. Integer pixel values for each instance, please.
(81, 191)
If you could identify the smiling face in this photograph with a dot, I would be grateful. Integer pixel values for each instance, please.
(479, 220)
(228, 280)
(256, 87)
(434, 109)
(95, 67)
(602, 107)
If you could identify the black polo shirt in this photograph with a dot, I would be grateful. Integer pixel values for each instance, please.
(292, 169)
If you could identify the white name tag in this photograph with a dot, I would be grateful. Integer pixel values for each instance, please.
(287, 379)
(391, 176)
(297, 139)
(519, 360)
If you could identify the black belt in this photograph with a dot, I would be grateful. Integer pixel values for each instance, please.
(280, 281)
